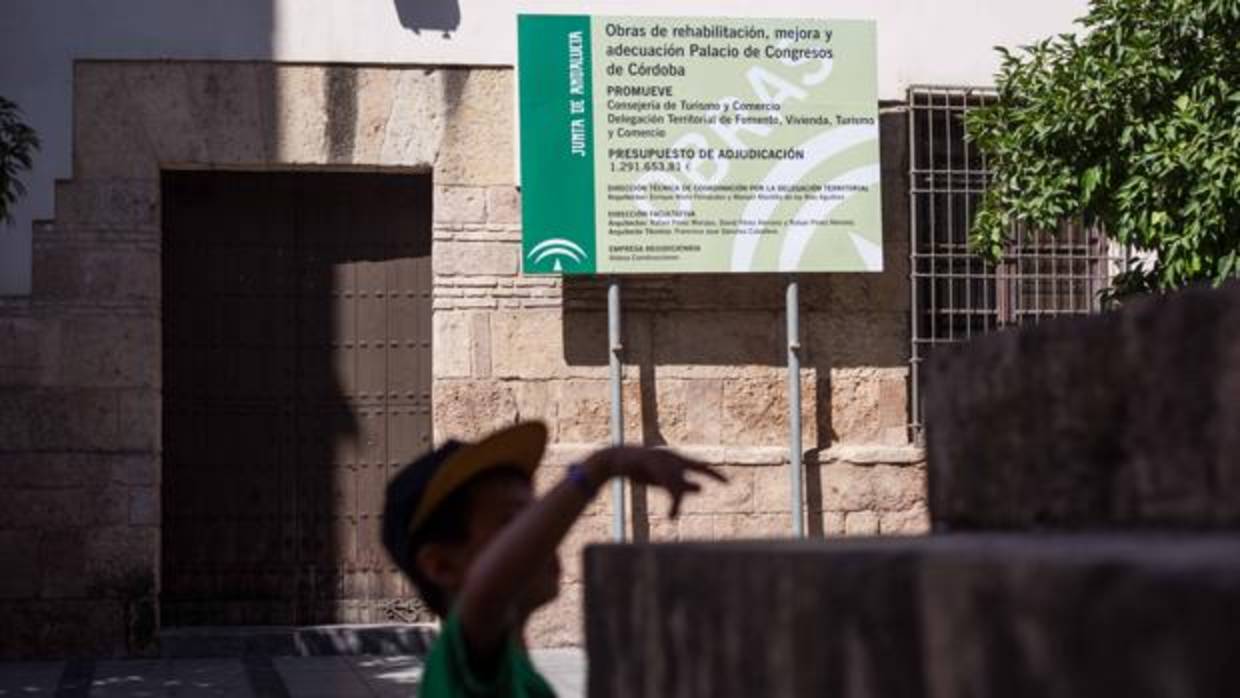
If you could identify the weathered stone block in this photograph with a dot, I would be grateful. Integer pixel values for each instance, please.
(470, 409)
(719, 339)
(836, 339)
(772, 489)
(144, 506)
(108, 203)
(415, 128)
(703, 411)
(861, 523)
(911, 522)
(62, 563)
(1127, 418)
(74, 419)
(670, 402)
(503, 205)
(477, 145)
(753, 526)
(44, 509)
(60, 470)
(453, 338)
(537, 400)
(14, 424)
(120, 560)
(375, 90)
(159, 94)
(861, 409)
(476, 259)
(107, 273)
(460, 204)
(932, 617)
(19, 558)
(107, 128)
(135, 469)
(139, 421)
(735, 496)
(110, 352)
(298, 110)
(528, 344)
(232, 109)
(755, 411)
(872, 454)
(716, 292)
(31, 347)
(847, 487)
(65, 420)
(480, 344)
(898, 488)
(584, 411)
(694, 526)
(832, 522)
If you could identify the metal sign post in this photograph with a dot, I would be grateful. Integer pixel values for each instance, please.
(614, 347)
(794, 407)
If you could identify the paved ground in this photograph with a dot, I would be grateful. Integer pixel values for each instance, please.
(259, 677)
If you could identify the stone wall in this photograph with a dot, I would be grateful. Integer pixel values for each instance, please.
(938, 616)
(1129, 419)
(80, 361)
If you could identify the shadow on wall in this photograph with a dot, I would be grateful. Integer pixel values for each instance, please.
(706, 333)
(853, 320)
(434, 15)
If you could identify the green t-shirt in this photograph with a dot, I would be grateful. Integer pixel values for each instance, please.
(448, 673)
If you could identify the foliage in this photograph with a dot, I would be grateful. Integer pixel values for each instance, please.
(1134, 125)
(18, 142)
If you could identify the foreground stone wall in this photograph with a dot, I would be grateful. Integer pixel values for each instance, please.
(1127, 419)
(80, 361)
(929, 617)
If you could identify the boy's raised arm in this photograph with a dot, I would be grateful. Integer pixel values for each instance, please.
(486, 604)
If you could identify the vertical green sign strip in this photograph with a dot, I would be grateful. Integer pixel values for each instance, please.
(557, 144)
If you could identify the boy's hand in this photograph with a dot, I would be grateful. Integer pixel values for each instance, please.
(650, 466)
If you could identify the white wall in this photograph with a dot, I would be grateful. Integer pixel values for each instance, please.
(920, 42)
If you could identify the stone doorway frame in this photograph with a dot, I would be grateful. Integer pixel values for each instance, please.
(95, 307)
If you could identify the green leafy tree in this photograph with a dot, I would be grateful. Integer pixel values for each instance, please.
(18, 143)
(1134, 125)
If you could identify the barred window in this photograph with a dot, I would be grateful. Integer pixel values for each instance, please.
(955, 294)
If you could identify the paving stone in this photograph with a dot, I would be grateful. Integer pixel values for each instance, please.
(34, 679)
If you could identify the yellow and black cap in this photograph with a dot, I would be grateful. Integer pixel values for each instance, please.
(418, 490)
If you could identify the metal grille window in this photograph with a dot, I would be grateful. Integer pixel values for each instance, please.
(955, 294)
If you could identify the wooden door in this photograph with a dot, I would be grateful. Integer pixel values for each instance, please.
(297, 373)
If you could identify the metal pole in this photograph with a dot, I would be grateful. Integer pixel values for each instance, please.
(794, 408)
(617, 406)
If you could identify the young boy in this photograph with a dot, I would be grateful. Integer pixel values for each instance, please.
(462, 522)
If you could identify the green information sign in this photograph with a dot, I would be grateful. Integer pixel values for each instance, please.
(678, 144)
